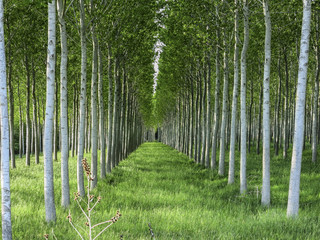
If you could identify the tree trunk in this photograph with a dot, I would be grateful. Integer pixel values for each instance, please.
(265, 199)
(124, 110)
(191, 122)
(199, 122)
(204, 120)
(21, 147)
(224, 106)
(28, 133)
(65, 189)
(277, 125)
(11, 100)
(83, 94)
(56, 126)
(110, 117)
(286, 112)
(74, 132)
(101, 117)
(250, 117)
(94, 114)
(316, 95)
(115, 115)
(216, 108)
(243, 151)
(5, 159)
(208, 124)
(259, 120)
(35, 125)
(48, 132)
(294, 185)
(234, 97)
(196, 122)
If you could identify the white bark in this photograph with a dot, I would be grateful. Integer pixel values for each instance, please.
(316, 96)
(65, 189)
(101, 118)
(208, 124)
(234, 97)
(48, 131)
(5, 160)
(294, 186)
(216, 108)
(224, 108)
(83, 95)
(110, 117)
(115, 116)
(94, 116)
(243, 149)
(265, 200)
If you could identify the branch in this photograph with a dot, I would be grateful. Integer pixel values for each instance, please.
(69, 6)
(101, 223)
(83, 211)
(76, 229)
(103, 230)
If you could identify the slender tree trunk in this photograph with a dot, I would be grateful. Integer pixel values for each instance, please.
(286, 108)
(28, 133)
(65, 189)
(199, 122)
(101, 118)
(196, 123)
(208, 124)
(191, 122)
(216, 108)
(74, 132)
(5, 148)
(234, 97)
(39, 127)
(21, 147)
(265, 199)
(316, 95)
(243, 152)
(35, 125)
(83, 94)
(277, 127)
(118, 116)
(11, 101)
(259, 120)
(204, 120)
(115, 115)
(32, 136)
(250, 117)
(123, 117)
(110, 117)
(224, 107)
(94, 113)
(48, 132)
(56, 126)
(294, 185)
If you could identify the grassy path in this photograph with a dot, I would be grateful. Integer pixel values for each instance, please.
(181, 200)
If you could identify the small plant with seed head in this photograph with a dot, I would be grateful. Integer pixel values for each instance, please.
(89, 208)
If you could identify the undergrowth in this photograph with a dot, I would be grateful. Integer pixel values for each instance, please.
(158, 186)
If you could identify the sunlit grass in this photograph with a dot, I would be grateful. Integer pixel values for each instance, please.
(180, 199)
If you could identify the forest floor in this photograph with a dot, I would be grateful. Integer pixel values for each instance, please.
(180, 199)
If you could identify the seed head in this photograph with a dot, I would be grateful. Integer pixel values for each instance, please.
(86, 167)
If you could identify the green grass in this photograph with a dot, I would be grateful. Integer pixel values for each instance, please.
(180, 199)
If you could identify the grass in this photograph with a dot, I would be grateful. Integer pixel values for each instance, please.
(180, 199)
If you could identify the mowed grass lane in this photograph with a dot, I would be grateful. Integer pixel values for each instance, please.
(180, 199)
